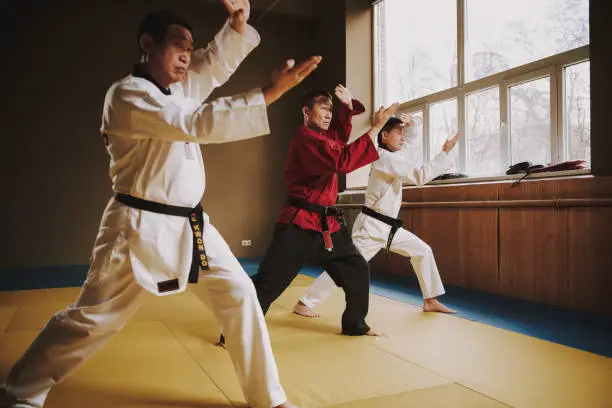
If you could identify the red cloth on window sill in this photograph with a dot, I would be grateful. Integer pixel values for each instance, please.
(568, 165)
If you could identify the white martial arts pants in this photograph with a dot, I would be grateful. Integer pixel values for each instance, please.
(404, 243)
(110, 297)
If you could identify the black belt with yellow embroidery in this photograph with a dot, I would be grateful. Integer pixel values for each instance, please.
(199, 259)
(324, 212)
(394, 223)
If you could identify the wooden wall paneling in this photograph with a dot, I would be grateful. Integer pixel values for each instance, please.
(589, 259)
(464, 241)
(478, 243)
(532, 248)
(439, 228)
(576, 187)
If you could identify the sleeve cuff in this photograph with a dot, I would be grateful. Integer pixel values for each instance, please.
(259, 120)
(357, 107)
(250, 39)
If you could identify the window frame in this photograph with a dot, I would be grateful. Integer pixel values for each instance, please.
(552, 66)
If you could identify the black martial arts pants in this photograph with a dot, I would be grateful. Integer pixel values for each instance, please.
(289, 251)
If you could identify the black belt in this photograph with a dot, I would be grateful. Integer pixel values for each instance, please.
(199, 259)
(324, 212)
(395, 224)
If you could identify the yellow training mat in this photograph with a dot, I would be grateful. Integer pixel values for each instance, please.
(6, 314)
(166, 357)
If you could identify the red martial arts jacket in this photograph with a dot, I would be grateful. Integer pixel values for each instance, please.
(314, 161)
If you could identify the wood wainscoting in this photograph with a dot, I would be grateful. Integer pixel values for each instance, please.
(548, 241)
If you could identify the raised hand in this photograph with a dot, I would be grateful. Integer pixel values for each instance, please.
(239, 11)
(344, 96)
(449, 144)
(288, 76)
(382, 115)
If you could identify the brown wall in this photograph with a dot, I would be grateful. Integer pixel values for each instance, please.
(61, 58)
(601, 87)
(557, 256)
(359, 73)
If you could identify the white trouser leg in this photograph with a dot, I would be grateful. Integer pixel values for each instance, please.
(230, 294)
(321, 289)
(108, 299)
(422, 259)
(324, 285)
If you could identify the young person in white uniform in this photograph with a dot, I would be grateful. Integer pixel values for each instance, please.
(378, 227)
(154, 234)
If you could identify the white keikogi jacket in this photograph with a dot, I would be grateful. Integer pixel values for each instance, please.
(384, 191)
(152, 139)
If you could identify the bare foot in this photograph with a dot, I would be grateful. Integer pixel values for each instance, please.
(304, 310)
(374, 333)
(371, 332)
(433, 305)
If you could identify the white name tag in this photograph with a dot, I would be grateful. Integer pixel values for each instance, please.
(188, 151)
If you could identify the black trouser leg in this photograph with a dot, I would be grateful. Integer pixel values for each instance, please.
(351, 272)
(290, 248)
(286, 255)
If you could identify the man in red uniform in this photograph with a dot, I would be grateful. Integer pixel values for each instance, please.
(307, 228)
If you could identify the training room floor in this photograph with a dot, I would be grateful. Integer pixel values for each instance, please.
(166, 357)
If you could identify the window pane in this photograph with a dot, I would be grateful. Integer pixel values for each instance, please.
(578, 111)
(414, 143)
(482, 132)
(530, 122)
(442, 126)
(417, 43)
(503, 34)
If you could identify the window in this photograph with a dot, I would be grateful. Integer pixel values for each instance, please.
(442, 124)
(513, 77)
(506, 34)
(530, 122)
(577, 100)
(409, 30)
(483, 133)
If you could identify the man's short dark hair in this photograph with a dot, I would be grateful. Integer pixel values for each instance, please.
(312, 97)
(391, 123)
(156, 25)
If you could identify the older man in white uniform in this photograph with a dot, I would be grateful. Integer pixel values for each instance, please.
(154, 235)
(377, 226)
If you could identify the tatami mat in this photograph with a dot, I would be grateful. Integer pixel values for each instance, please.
(443, 396)
(6, 314)
(166, 357)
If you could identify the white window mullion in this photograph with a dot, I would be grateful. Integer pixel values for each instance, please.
(504, 127)
(463, 142)
(556, 105)
(460, 43)
(562, 133)
(426, 136)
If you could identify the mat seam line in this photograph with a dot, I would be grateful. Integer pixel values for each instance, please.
(439, 375)
(198, 364)
(10, 321)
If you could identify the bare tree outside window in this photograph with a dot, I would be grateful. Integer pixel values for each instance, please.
(418, 48)
(530, 122)
(482, 130)
(417, 45)
(443, 125)
(578, 111)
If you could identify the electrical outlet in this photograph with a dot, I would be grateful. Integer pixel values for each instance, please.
(246, 243)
